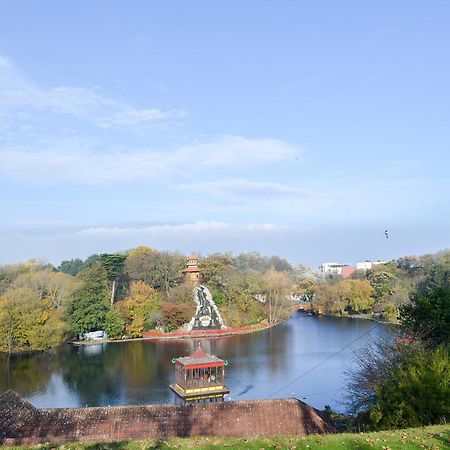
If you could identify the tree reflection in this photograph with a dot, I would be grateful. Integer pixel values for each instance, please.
(92, 372)
(26, 373)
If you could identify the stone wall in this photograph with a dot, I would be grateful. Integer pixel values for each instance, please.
(21, 423)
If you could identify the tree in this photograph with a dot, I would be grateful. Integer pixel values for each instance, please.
(372, 366)
(113, 264)
(175, 315)
(71, 267)
(306, 289)
(159, 270)
(141, 303)
(114, 323)
(214, 272)
(27, 322)
(416, 393)
(280, 264)
(167, 270)
(90, 302)
(360, 295)
(183, 294)
(429, 311)
(382, 284)
(138, 264)
(276, 287)
(56, 287)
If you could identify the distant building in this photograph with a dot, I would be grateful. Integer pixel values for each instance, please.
(334, 268)
(347, 272)
(367, 265)
(192, 271)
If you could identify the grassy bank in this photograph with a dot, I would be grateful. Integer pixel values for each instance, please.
(432, 437)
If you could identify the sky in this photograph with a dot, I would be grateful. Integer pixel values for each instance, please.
(301, 129)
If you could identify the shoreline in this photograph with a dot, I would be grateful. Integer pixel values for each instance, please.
(200, 334)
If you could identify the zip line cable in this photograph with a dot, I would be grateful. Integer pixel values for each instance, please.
(320, 363)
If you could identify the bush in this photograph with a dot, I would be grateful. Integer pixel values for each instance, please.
(175, 315)
(416, 394)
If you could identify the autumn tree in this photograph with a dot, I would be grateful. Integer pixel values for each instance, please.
(161, 270)
(56, 287)
(215, 271)
(360, 295)
(138, 307)
(306, 289)
(28, 322)
(276, 286)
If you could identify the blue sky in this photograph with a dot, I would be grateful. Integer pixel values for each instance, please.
(302, 129)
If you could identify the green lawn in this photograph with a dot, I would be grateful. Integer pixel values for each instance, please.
(433, 437)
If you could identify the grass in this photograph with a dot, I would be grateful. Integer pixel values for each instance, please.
(432, 437)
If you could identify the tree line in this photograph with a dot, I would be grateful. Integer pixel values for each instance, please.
(125, 294)
(380, 292)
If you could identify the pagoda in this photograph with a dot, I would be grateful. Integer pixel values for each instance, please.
(192, 271)
(199, 377)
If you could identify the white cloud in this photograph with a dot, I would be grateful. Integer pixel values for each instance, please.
(79, 164)
(245, 188)
(19, 94)
(171, 230)
(142, 116)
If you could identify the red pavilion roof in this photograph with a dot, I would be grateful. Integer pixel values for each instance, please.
(199, 357)
(191, 269)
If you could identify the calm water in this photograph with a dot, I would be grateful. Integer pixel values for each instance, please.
(261, 365)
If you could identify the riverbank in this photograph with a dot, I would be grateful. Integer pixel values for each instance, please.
(182, 334)
(432, 437)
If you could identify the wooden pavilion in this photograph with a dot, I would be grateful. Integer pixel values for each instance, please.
(199, 377)
(192, 271)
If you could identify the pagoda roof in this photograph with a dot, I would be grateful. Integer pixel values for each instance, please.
(198, 357)
(191, 269)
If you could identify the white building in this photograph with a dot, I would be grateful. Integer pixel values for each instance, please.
(367, 265)
(333, 267)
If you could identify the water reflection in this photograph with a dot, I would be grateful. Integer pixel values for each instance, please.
(261, 365)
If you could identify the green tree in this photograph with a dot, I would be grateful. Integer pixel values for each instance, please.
(382, 284)
(429, 311)
(114, 323)
(71, 267)
(113, 263)
(90, 302)
(416, 394)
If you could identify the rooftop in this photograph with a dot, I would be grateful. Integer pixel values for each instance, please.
(198, 357)
(21, 423)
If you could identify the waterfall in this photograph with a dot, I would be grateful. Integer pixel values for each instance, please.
(207, 316)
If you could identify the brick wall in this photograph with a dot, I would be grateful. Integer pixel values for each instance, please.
(21, 423)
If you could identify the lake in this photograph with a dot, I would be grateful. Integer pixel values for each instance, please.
(305, 357)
